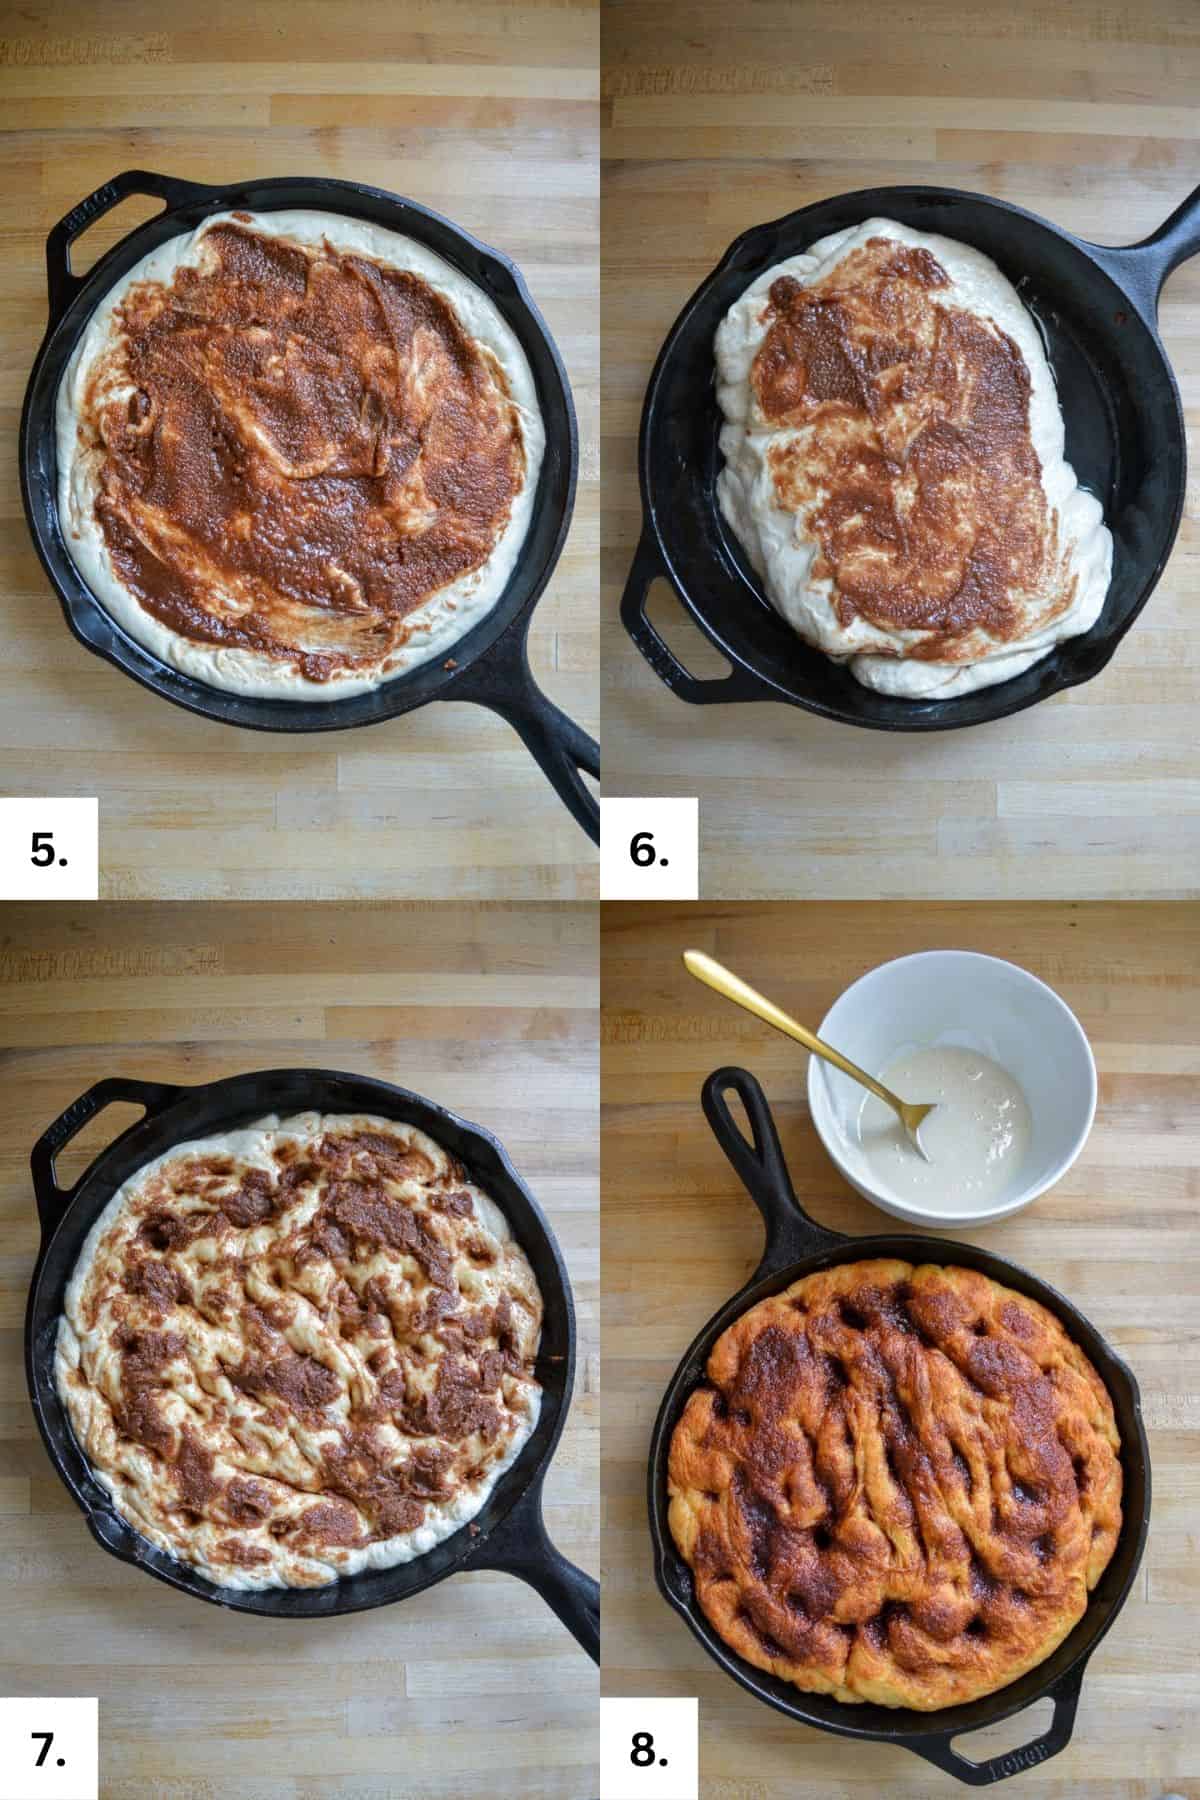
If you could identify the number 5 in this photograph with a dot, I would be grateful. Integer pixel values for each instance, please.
(43, 849)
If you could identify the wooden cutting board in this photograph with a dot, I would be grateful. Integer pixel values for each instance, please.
(717, 118)
(1117, 1235)
(474, 1686)
(484, 112)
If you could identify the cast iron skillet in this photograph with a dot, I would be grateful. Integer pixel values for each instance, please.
(510, 1534)
(796, 1246)
(1125, 440)
(491, 660)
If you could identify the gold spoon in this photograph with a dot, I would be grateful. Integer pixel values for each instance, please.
(724, 981)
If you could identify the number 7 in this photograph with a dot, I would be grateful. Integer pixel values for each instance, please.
(47, 1738)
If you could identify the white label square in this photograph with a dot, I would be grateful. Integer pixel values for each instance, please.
(650, 849)
(49, 849)
(49, 1749)
(663, 1736)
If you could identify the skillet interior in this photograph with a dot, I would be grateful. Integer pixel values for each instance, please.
(223, 1105)
(1125, 440)
(187, 205)
(797, 1246)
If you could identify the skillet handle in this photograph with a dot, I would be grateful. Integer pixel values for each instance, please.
(520, 1545)
(760, 1166)
(62, 284)
(503, 682)
(52, 1200)
(1141, 269)
(1056, 1737)
(647, 566)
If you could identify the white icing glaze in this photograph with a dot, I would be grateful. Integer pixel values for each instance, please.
(977, 1139)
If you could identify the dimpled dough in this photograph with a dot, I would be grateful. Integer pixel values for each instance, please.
(300, 1350)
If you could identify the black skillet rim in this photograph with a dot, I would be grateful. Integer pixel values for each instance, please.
(187, 203)
(746, 682)
(463, 1549)
(1063, 1671)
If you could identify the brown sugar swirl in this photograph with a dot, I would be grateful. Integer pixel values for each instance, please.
(899, 1484)
(295, 448)
(911, 456)
(300, 1350)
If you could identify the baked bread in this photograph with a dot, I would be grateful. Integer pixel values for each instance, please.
(899, 1484)
(300, 1350)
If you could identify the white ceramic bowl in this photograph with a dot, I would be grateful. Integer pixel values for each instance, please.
(978, 1003)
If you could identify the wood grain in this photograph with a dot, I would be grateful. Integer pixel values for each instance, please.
(717, 118)
(486, 112)
(1116, 1235)
(471, 1688)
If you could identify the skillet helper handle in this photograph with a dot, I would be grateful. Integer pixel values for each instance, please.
(1056, 1737)
(503, 682)
(1142, 269)
(53, 1200)
(697, 690)
(761, 1168)
(62, 284)
(520, 1545)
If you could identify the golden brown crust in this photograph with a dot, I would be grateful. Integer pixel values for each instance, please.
(900, 1485)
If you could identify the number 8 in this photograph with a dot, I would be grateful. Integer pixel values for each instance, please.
(642, 1754)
